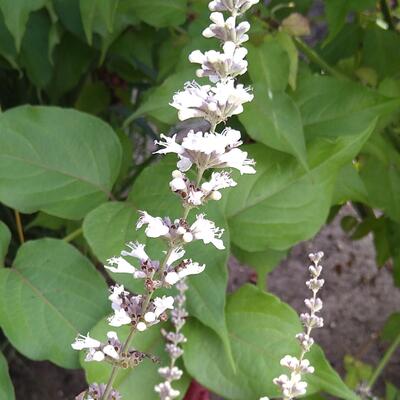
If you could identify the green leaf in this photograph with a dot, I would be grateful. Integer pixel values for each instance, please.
(94, 98)
(35, 49)
(337, 10)
(391, 328)
(156, 103)
(273, 118)
(380, 168)
(7, 46)
(349, 186)
(282, 203)
(68, 71)
(141, 380)
(59, 161)
(269, 65)
(357, 372)
(16, 14)
(5, 239)
(287, 43)
(6, 386)
(330, 107)
(97, 9)
(161, 13)
(381, 51)
(51, 293)
(392, 392)
(262, 261)
(262, 330)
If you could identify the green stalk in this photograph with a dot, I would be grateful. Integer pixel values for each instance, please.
(385, 359)
(73, 235)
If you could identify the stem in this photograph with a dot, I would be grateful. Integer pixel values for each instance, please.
(314, 57)
(385, 359)
(20, 228)
(73, 235)
(387, 15)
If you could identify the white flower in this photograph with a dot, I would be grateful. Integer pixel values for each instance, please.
(219, 66)
(218, 181)
(95, 355)
(205, 230)
(175, 255)
(233, 6)
(314, 305)
(124, 267)
(162, 304)
(295, 365)
(120, 317)
(168, 373)
(166, 391)
(227, 31)
(213, 103)
(85, 342)
(115, 296)
(190, 268)
(136, 250)
(208, 150)
(291, 387)
(156, 227)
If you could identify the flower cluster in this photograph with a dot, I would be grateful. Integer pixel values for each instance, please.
(292, 385)
(96, 392)
(171, 372)
(205, 152)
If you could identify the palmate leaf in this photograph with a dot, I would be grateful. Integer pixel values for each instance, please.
(51, 294)
(6, 386)
(262, 330)
(60, 161)
(137, 383)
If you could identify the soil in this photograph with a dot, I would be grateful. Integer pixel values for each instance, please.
(358, 298)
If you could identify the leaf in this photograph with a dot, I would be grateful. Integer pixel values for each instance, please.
(7, 46)
(51, 293)
(349, 186)
(380, 167)
(68, 71)
(269, 65)
(161, 13)
(5, 239)
(357, 372)
(282, 204)
(330, 107)
(262, 330)
(337, 10)
(391, 329)
(273, 119)
(288, 45)
(59, 161)
(16, 14)
(97, 9)
(141, 380)
(6, 386)
(156, 103)
(262, 261)
(35, 49)
(94, 98)
(381, 51)
(392, 393)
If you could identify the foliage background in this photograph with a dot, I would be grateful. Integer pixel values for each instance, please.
(76, 164)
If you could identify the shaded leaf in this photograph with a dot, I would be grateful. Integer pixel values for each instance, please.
(16, 14)
(5, 238)
(6, 386)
